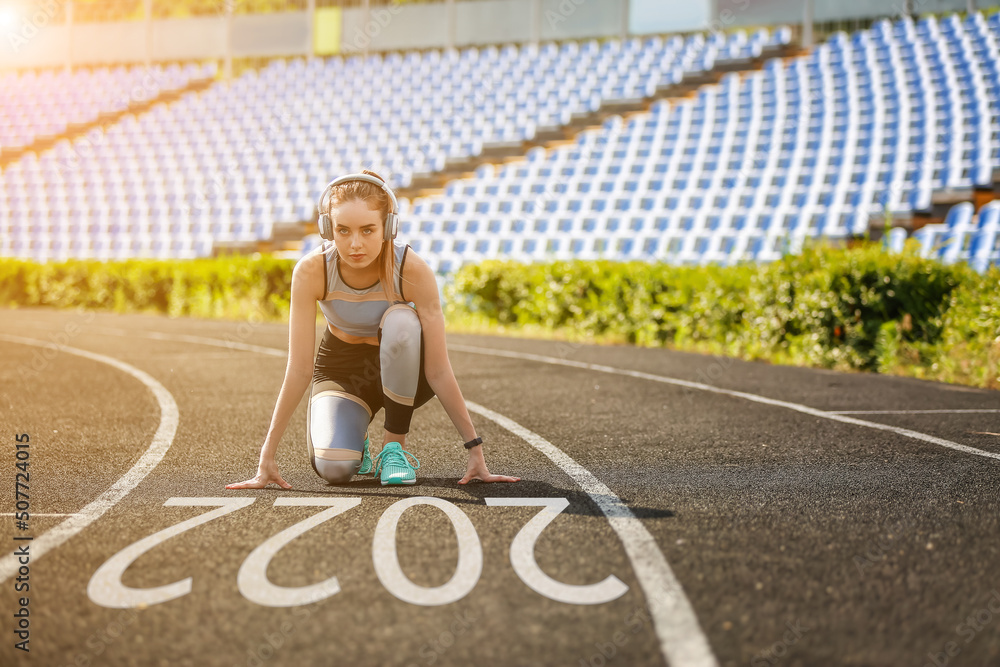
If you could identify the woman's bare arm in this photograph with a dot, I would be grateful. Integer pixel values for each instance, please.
(421, 288)
(307, 279)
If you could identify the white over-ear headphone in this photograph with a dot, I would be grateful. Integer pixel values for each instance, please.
(391, 226)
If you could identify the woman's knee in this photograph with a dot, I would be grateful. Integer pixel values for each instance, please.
(400, 329)
(336, 472)
(336, 434)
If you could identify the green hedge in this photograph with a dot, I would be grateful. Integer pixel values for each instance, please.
(848, 309)
(225, 287)
(857, 309)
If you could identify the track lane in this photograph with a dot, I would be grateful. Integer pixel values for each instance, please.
(701, 473)
(214, 591)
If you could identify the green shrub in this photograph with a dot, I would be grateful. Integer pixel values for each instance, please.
(856, 309)
(224, 287)
(848, 309)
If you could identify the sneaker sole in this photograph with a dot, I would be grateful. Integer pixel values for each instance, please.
(399, 483)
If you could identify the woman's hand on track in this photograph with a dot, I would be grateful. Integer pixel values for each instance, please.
(477, 470)
(266, 474)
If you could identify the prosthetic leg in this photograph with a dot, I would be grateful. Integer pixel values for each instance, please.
(337, 426)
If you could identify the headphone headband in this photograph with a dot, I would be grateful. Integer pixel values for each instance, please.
(391, 226)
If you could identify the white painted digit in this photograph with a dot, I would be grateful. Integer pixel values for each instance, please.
(252, 578)
(106, 587)
(522, 557)
(470, 556)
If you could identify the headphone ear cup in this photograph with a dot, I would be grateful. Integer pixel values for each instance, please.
(391, 226)
(325, 227)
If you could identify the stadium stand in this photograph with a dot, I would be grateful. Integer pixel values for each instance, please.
(229, 163)
(964, 236)
(815, 146)
(820, 145)
(49, 102)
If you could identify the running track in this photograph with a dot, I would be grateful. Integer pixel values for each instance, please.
(675, 509)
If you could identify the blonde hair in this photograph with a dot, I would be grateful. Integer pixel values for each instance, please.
(372, 194)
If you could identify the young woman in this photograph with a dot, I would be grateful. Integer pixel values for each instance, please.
(377, 351)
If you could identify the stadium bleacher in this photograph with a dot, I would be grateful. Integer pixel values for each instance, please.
(229, 163)
(46, 103)
(812, 146)
(964, 236)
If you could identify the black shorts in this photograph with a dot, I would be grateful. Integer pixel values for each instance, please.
(357, 368)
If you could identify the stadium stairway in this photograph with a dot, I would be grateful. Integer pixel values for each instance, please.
(115, 224)
(843, 216)
(567, 134)
(103, 120)
(288, 239)
(942, 203)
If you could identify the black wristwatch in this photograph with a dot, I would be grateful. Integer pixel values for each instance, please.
(473, 443)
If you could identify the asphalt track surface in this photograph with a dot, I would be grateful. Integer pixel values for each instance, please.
(700, 525)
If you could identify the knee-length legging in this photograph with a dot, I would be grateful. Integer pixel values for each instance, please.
(352, 381)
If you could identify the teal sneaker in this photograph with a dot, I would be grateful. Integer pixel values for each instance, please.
(366, 460)
(393, 467)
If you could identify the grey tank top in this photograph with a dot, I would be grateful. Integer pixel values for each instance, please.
(357, 311)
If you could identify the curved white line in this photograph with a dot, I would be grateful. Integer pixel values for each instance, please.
(185, 338)
(916, 435)
(911, 412)
(681, 638)
(157, 449)
(682, 641)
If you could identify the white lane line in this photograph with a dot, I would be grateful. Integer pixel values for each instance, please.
(681, 638)
(908, 412)
(916, 435)
(184, 338)
(162, 439)
(682, 641)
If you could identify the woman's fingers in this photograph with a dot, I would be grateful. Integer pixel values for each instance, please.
(488, 478)
(249, 484)
(503, 478)
(258, 483)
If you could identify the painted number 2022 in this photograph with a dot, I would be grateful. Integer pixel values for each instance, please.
(106, 587)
